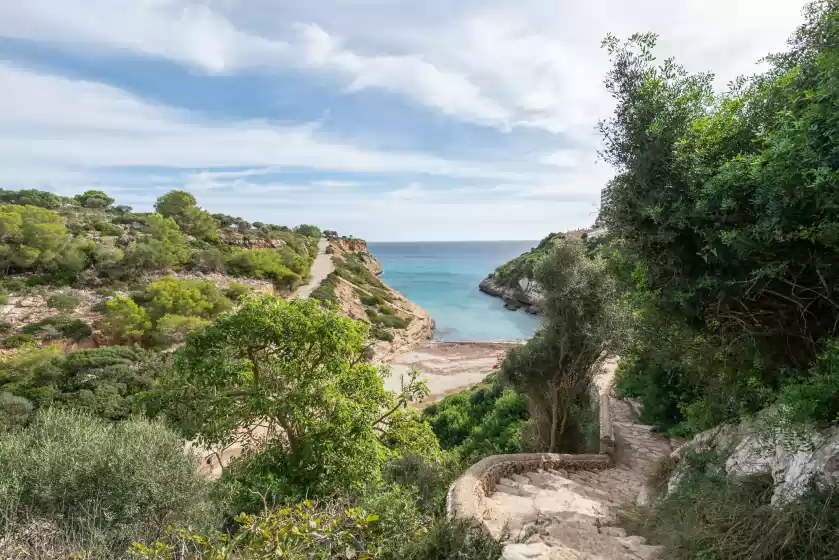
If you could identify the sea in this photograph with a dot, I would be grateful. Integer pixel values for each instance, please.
(443, 278)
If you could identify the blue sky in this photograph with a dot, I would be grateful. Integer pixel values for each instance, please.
(384, 119)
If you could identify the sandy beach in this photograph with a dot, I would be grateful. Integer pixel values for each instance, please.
(447, 367)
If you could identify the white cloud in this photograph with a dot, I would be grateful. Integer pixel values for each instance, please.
(52, 122)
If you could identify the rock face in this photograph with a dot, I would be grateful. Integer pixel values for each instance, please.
(526, 295)
(421, 326)
(751, 448)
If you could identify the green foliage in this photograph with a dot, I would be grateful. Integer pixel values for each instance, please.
(710, 516)
(63, 302)
(307, 230)
(448, 539)
(208, 260)
(814, 400)
(267, 264)
(381, 334)
(107, 382)
(236, 291)
(14, 411)
(181, 207)
(198, 298)
(125, 322)
(305, 531)
(93, 199)
(173, 329)
(31, 238)
(296, 369)
(114, 483)
(18, 340)
(32, 197)
(56, 327)
(556, 366)
(524, 266)
(164, 246)
(488, 419)
(724, 227)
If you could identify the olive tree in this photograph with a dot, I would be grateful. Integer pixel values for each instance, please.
(555, 367)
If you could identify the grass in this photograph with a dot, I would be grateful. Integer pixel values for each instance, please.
(712, 517)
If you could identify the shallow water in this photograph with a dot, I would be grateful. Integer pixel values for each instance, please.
(443, 278)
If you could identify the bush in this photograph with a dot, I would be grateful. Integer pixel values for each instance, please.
(110, 483)
(172, 329)
(58, 327)
(449, 539)
(208, 260)
(236, 291)
(488, 419)
(14, 411)
(18, 340)
(302, 531)
(264, 264)
(199, 298)
(381, 334)
(63, 302)
(711, 516)
(125, 322)
(107, 382)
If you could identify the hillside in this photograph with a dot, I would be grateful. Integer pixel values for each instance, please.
(396, 323)
(514, 281)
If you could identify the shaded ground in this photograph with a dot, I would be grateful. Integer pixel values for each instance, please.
(448, 367)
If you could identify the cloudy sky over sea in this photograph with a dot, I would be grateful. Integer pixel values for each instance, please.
(386, 119)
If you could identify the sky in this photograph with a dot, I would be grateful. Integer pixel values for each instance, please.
(384, 119)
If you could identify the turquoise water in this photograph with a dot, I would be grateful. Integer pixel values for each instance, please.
(443, 278)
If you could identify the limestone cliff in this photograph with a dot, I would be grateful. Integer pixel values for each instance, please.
(398, 323)
(756, 446)
(525, 294)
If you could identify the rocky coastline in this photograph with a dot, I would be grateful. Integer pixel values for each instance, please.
(525, 296)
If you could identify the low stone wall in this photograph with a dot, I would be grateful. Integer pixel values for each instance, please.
(467, 494)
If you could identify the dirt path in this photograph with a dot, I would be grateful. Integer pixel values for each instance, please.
(320, 270)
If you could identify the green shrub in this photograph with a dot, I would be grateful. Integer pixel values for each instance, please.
(110, 483)
(59, 327)
(236, 291)
(488, 419)
(107, 382)
(208, 260)
(18, 340)
(714, 517)
(125, 322)
(264, 264)
(450, 539)
(173, 296)
(385, 310)
(14, 411)
(369, 299)
(173, 329)
(393, 321)
(300, 532)
(381, 334)
(4, 299)
(63, 302)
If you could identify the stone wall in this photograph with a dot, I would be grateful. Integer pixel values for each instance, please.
(468, 493)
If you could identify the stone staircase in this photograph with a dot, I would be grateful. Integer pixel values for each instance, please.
(559, 514)
(562, 507)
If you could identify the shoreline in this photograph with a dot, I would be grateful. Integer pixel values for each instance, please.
(447, 366)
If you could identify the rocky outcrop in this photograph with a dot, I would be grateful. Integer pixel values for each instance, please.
(416, 333)
(525, 295)
(752, 447)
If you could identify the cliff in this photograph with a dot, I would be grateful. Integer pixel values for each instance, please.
(395, 322)
(525, 295)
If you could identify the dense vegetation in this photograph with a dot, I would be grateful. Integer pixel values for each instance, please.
(523, 267)
(722, 234)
